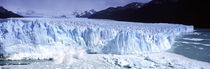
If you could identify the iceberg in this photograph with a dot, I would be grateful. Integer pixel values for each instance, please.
(42, 37)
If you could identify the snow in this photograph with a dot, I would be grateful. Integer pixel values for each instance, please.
(72, 43)
(42, 37)
(160, 60)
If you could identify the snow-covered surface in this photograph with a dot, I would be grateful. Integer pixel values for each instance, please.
(109, 61)
(69, 42)
(45, 36)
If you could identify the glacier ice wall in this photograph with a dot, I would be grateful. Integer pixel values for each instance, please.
(47, 35)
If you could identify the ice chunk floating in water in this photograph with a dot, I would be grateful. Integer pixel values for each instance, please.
(41, 37)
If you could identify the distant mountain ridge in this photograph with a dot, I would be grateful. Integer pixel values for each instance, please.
(7, 14)
(83, 14)
(118, 13)
(189, 12)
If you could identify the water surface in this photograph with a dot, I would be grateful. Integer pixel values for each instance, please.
(195, 45)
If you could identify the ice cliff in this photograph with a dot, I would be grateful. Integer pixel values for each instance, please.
(44, 36)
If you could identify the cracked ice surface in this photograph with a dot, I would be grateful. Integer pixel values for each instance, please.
(45, 36)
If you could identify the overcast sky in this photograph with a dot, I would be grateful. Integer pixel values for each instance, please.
(63, 5)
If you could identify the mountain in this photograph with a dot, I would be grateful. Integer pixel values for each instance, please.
(118, 13)
(190, 12)
(26, 13)
(7, 14)
(83, 14)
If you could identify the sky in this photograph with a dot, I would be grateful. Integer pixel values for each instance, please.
(52, 6)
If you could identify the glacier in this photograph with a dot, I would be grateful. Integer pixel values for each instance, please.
(42, 37)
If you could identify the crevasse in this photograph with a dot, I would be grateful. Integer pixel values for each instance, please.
(47, 35)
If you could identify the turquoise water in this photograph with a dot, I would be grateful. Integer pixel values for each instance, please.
(194, 45)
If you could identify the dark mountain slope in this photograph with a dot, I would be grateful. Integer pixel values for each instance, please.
(190, 12)
(7, 14)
